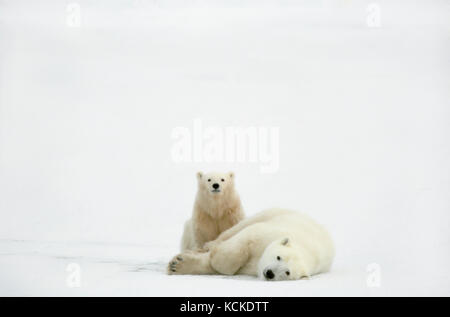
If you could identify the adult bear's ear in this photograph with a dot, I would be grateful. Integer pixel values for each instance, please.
(285, 241)
(199, 175)
(231, 174)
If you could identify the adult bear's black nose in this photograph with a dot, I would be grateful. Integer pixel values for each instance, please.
(269, 274)
(215, 185)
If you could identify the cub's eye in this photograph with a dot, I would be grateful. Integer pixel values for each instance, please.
(209, 180)
(222, 180)
(287, 272)
(278, 258)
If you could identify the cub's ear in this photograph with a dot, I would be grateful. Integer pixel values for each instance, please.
(199, 175)
(231, 174)
(285, 241)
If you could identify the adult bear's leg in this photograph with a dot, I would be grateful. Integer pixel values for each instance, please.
(190, 262)
(225, 258)
(243, 225)
(229, 256)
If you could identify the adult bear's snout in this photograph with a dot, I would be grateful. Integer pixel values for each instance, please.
(269, 274)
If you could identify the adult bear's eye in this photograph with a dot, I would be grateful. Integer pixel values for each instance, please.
(209, 180)
(287, 272)
(223, 180)
(278, 258)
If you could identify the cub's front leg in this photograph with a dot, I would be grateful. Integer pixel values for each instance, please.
(204, 233)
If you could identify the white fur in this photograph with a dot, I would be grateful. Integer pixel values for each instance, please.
(215, 210)
(252, 246)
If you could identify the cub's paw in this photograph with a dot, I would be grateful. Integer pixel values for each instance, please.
(208, 246)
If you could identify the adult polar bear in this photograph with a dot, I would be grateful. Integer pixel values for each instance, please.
(275, 244)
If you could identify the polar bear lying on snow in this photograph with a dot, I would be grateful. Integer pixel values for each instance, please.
(275, 244)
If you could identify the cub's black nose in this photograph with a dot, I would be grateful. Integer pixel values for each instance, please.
(269, 274)
(215, 185)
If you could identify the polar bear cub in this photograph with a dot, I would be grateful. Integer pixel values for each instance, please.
(274, 245)
(217, 207)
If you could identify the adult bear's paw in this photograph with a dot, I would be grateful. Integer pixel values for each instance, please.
(175, 265)
(185, 263)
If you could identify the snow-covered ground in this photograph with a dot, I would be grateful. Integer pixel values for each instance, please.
(92, 91)
(103, 269)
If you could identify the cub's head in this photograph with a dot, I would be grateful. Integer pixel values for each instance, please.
(280, 261)
(215, 183)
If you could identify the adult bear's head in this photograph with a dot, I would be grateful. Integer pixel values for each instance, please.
(281, 260)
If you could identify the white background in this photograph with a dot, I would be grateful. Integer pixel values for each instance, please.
(87, 113)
